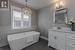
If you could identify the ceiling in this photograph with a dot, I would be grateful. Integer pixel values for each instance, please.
(35, 4)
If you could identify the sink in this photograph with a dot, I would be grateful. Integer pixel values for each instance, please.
(62, 28)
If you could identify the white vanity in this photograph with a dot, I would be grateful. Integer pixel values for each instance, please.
(61, 39)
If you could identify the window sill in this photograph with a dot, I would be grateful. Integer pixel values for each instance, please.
(22, 28)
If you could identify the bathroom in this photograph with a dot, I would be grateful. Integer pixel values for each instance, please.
(42, 20)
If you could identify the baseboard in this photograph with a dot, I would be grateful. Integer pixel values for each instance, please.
(44, 38)
(3, 44)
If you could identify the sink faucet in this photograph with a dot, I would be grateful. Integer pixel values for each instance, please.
(58, 27)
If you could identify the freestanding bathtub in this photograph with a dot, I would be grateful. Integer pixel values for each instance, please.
(22, 40)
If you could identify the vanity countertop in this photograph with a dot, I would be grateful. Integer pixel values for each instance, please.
(60, 30)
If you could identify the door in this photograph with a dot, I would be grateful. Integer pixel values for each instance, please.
(60, 40)
(57, 40)
(52, 39)
(70, 41)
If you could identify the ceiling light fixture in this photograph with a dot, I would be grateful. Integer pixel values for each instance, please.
(27, 10)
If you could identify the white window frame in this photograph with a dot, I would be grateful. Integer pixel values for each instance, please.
(12, 19)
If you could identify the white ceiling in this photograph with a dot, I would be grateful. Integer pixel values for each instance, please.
(35, 4)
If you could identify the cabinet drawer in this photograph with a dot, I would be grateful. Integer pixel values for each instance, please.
(70, 42)
(70, 35)
(70, 47)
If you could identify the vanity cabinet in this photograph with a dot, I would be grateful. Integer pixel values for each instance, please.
(56, 40)
(61, 40)
(70, 41)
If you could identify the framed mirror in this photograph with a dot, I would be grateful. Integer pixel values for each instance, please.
(60, 16)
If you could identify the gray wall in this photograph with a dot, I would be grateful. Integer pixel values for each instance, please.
(5, 24)
(45, 16)
(5, 17)
(45, 20)
(71, 8)
(5, 20)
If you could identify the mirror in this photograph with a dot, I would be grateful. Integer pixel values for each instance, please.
(60, 16)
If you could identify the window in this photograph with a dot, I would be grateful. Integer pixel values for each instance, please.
(19, 19)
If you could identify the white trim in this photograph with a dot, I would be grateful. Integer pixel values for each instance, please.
(44, 38)
(12, 8)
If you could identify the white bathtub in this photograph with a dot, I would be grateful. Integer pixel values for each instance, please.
(22, 40)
